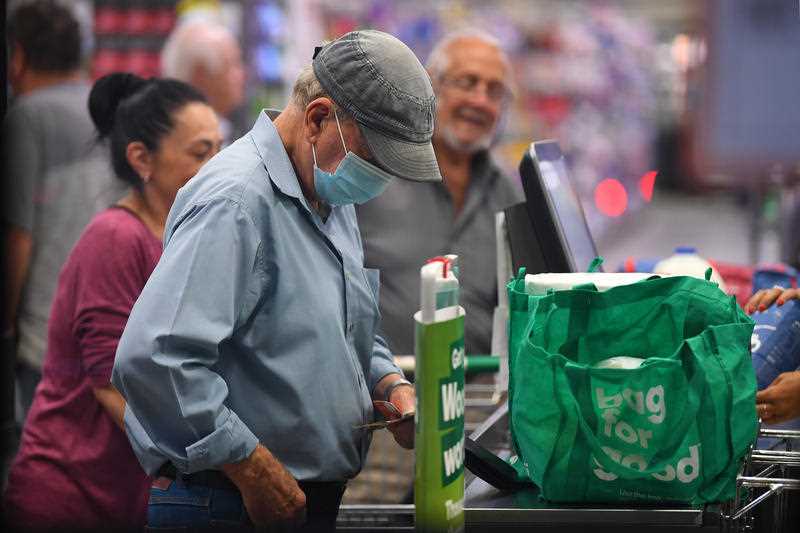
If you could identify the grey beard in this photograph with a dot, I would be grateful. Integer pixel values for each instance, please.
(478, 145)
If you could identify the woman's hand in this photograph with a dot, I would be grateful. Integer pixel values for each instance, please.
(781, 400)
(766, 297)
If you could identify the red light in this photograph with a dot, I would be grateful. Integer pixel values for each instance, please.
(646, 183)
(610, 197)
(629, 265)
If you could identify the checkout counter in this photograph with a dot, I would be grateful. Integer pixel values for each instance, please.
(548, 233)
(768, 491)
(489, 508)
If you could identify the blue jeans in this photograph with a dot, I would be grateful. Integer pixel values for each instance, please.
(178, 506)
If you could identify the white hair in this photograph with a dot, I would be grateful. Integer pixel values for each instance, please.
(307, 88)
(439, 63)
(439, 58)
(191, 44)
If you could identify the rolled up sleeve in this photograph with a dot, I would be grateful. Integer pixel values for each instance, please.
(382, 363)
(209, 279)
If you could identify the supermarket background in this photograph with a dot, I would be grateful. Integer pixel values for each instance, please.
(696, 95)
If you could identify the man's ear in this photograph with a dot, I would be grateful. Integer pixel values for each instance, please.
(317, 112)
(436, 80)
(200, 78)
(140, 159)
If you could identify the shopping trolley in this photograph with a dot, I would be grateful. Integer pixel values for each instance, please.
(767, 483)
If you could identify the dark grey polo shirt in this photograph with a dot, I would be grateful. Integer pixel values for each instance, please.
(411, 222)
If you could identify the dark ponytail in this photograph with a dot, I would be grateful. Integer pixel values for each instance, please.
(126, 108)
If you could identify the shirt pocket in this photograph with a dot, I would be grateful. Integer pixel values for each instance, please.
(373, 277)
(366, 313)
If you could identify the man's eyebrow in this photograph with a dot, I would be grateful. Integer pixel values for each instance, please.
(205, 142)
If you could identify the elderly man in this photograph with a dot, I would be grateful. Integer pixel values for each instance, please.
(251, 359)
(472, 79)
(205, 55)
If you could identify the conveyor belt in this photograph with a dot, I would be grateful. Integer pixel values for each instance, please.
(488, 508)
(761, 505)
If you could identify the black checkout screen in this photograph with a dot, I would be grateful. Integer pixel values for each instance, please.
(565, 206)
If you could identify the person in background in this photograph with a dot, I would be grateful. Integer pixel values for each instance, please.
(472, 79)
(205, 55)
(780, 402)
(48, 189)
(252, 359)
(75, 468)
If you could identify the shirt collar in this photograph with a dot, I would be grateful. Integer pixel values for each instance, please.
(481, 165)
(482, 173)
(276, 160)
(273, 154)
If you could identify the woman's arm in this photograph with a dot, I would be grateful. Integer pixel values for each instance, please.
(113, 402)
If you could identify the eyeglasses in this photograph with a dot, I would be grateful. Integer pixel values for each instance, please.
(469, 84)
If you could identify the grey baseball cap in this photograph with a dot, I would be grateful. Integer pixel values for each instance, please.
(378, 80)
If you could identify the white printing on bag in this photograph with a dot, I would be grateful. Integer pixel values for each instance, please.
(653, 405)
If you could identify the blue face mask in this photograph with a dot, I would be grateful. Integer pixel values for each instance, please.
(354, 181)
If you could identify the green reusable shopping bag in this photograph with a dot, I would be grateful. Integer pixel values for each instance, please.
(676, 428)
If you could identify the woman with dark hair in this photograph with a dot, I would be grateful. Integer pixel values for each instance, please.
(75, 468)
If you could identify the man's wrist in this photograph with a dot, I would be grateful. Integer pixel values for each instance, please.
(387, 393)
(248, 469)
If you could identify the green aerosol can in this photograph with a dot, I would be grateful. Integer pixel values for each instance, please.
(439, 439)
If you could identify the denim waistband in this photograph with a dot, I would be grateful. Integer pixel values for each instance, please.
(217, 479)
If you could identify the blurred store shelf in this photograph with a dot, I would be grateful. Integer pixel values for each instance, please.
(717, 224)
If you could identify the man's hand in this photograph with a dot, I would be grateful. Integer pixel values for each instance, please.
(269, 492)
(781, 400)
(766, 297)
(404, 399)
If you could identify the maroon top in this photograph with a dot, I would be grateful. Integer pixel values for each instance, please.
(75, 466)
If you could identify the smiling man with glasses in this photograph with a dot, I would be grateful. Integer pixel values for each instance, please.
(471, 77)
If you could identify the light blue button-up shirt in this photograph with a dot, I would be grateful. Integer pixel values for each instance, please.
(258, 325)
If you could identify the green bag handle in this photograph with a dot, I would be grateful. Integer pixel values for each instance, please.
(579, 314)
(737, 440)
(595, 264)
(672, 446)
(707, 274)
(519, 281)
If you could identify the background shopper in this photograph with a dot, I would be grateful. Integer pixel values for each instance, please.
(75, 468)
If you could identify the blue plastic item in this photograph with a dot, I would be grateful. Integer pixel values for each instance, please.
(775, 344)
(775, 276)
(685, 250)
